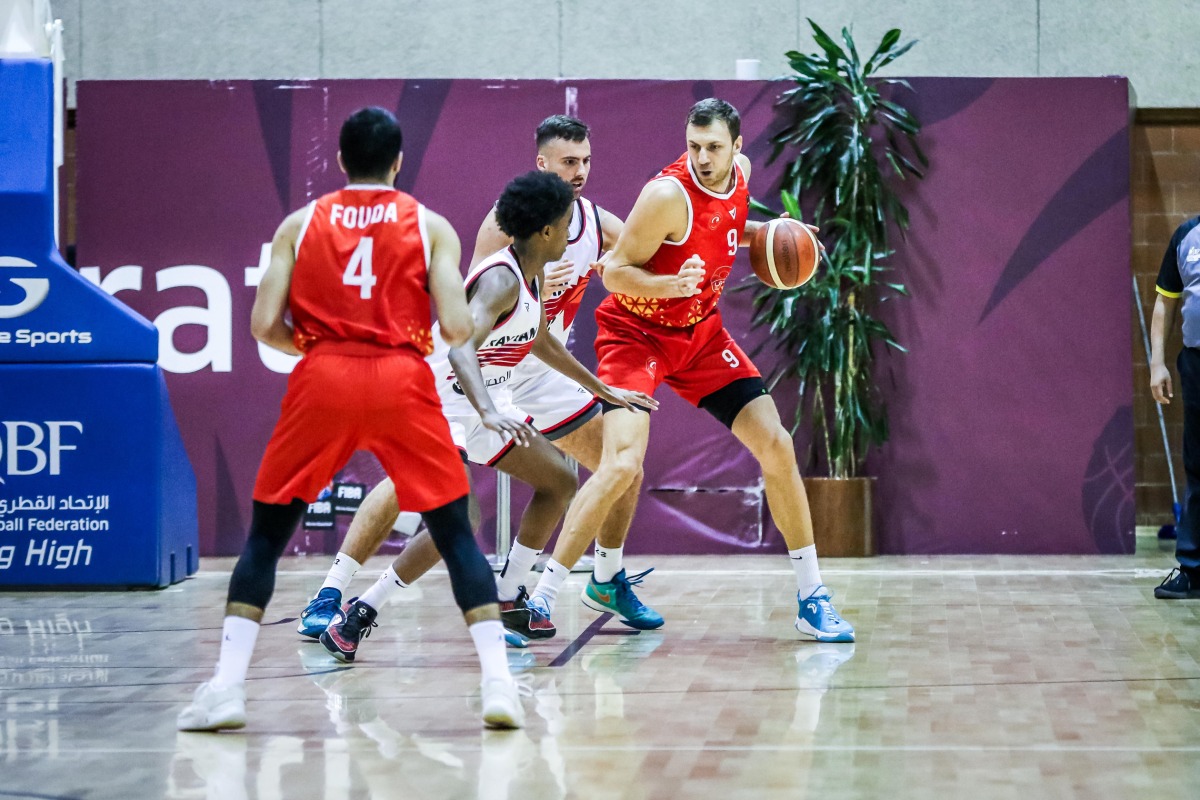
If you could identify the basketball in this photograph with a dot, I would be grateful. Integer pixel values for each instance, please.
(784, 253)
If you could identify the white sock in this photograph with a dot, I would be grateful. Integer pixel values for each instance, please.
(608, 562)
(238, 636)
(516, 567)
(808, 574)
(489, 643)
(551, 582)
(341, 573)
(384, 590)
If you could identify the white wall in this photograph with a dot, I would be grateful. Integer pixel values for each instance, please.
(1151, 41)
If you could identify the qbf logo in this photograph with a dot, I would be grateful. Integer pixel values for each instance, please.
(28, 448)
(35, 289)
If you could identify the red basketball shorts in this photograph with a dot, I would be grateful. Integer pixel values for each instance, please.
(639, 355)
(385, 404)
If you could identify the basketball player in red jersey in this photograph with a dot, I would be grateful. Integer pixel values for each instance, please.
(661, 324)
(356, 269)
(565, 413)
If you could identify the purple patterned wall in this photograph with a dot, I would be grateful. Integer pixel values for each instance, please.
(1011, 416)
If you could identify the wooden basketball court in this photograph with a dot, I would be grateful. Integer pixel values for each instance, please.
(983, 677)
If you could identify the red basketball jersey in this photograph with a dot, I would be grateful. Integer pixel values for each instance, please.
(715, 225)
(362, 267)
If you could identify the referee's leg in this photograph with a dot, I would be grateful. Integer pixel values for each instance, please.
(1187, 545)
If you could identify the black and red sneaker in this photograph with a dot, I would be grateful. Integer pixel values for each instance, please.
(349, 627)
(527, 616)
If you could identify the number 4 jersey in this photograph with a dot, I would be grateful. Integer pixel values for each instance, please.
(362, 267)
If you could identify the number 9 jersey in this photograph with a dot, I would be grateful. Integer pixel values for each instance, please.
(336, 293)
(715, 225)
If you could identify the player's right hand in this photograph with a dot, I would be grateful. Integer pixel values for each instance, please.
(687, 280)
(518, 430)
(557, 277)
(1160, 383)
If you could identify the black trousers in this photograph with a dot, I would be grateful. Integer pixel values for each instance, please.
(1187, 545)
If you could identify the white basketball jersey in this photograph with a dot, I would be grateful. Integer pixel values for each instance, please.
(508, 343)
(584, 242)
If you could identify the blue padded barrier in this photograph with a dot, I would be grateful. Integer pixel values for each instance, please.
(95, 486)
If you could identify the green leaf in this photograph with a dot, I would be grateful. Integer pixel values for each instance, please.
(827, 44)
(892, 56)
(886, 44)
(791, 205)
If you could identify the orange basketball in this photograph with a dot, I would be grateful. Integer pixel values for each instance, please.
(784, 254)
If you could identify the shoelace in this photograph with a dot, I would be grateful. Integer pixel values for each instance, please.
(827, 607)
(1170, 577)
(324, 604)
(535, 612)
(357, 622)
(625, 587)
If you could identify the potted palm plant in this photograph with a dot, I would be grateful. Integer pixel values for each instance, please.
(847, 140)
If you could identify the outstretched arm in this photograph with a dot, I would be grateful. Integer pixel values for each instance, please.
(552, 352)
(268, 322)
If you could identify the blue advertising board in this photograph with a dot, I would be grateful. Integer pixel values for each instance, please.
(95, 486)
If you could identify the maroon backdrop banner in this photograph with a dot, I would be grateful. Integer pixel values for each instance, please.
(1012, 427)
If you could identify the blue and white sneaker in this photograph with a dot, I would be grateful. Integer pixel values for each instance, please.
(818, 619)
(319, 613)
(514, 639)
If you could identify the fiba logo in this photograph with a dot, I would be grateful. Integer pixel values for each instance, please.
(36, 289)
(718, 279)
(714, 222)
(27, 448)
(652, 365)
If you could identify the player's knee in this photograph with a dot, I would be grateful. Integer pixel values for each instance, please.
(776, 452)
(622, 469)
(557, 483)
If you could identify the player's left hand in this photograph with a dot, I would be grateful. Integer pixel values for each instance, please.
(634, 401)
(557, 277)
(598, 266)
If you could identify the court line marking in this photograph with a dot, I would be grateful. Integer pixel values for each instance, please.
(574, 647)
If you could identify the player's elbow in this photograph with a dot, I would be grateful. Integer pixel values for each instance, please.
(457, 332)
(261, 329)
(613, 279)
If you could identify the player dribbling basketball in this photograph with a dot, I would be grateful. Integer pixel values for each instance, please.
(660, 325)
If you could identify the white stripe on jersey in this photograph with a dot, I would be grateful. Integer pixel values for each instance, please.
(308, 215)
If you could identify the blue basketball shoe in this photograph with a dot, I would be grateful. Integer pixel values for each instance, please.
(319, 612)
(617, 597)
(818, 619)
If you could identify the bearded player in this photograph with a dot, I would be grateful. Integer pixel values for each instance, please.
(660, 325)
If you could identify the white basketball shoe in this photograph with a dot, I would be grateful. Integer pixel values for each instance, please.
(214, 709)
(502, 706)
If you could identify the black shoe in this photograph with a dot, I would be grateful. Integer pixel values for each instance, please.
(529, 620)
(349, 627)
(1180, 584)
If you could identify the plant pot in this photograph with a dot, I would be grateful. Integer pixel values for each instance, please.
(841, 516)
